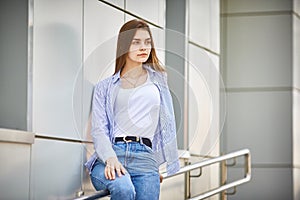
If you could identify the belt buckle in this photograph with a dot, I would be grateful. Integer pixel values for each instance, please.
(124, 139)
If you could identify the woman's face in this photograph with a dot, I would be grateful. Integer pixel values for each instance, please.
(140, 47)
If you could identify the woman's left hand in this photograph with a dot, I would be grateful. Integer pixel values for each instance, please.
(113, 166)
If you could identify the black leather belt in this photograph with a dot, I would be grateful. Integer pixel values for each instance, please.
(145, 141)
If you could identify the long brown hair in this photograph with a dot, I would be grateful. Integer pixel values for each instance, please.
(125, 37)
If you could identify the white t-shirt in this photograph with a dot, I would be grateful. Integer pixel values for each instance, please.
(137, 111)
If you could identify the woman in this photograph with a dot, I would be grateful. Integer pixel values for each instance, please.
(133, 123)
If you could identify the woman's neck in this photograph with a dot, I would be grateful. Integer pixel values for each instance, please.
(131, 67)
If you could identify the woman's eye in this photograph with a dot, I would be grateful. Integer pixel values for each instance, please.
(148, 42)
(136, 42)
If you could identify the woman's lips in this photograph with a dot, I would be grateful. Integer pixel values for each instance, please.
(142, 54)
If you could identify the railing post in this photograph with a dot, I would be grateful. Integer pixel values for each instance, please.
(247, 164)
(187, 181)
(223, 178)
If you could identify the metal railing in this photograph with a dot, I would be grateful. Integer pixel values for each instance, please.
(187, 169)
(223, 187)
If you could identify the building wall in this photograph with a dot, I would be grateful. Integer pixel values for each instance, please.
(203, 88)
(257, 68)
(15, 149)
(56, 168)
(192, 52)
(260, 68)
(13, 64)
(296, 98)
(73, 47)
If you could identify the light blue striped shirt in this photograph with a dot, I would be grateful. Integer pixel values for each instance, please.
(164, 143)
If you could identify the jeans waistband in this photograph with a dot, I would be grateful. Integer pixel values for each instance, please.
(126, 139)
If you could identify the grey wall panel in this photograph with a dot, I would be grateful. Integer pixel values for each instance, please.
(296, 183)
(204, 27)
(153, 11)
(176, 46)
(296, 51)
(296, 100)
(203, 92)
(260, 121)
(266, 183)
(253, 58)
(258, 70)
(218, 115)
(57, 55)
(13, 64)
(296, 6)
(215, 25)
(119, 3)
(14, 170)
(238, 6)
(296, 144)
(56, 169)
(296, 128)
(99, 32)
(199, 17)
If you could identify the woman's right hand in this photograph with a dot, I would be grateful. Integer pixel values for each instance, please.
(113, 166)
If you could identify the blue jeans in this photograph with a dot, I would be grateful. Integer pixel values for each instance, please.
(142, 180)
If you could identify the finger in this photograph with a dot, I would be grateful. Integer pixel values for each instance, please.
(109, 170)
(106, 172)
(123, 170)
(112, 173)
(118, 170)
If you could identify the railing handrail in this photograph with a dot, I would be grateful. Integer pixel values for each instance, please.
(247, 176)
(209, 162)
(185, 169)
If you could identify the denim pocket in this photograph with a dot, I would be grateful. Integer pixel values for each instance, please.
(148, 149)
(119, 147)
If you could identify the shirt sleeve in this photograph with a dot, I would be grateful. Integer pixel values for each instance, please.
(169, 132)
(100, 124)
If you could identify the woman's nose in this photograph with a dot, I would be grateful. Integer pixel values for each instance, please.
(143, 46)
